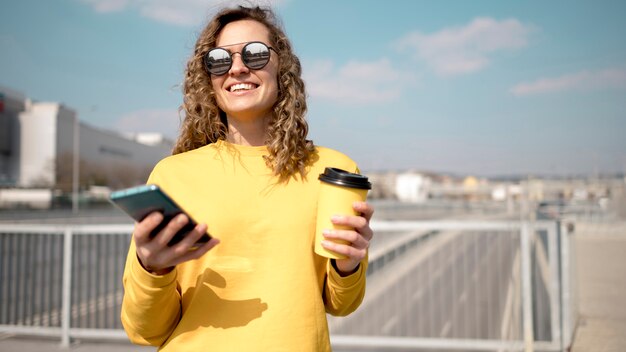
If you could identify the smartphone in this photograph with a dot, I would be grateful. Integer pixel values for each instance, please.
(140, 201)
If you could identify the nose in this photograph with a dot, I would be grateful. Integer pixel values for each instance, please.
(238, 67)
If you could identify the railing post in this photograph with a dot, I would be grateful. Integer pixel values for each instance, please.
(67, 287)
(566, 306)
(527, 311)
(555, 283)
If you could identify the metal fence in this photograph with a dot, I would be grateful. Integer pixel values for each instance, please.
(465, 285)
(512, 278)
(62, 280)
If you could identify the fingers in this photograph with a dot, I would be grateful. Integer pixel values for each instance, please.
(191, 241)
(359, 223)
(353, 254)
(197, 252)
(357, 240)
(353, 238)
(190, 238)
(365, 209)
(362, 233)
(171, 229)
(154, 252)
(354, 248)
(144, 228)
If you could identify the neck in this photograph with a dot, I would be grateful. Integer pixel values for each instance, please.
(247, 132)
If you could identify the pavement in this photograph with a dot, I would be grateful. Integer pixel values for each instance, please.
(600, 260)
(601, 266)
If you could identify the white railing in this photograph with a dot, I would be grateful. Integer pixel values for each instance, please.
(55, 278)
(73, 274)
(540, 281)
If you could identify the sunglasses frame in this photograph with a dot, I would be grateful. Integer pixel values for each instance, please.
(205, 58)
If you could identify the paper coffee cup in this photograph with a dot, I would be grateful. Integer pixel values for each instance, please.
(339, 189)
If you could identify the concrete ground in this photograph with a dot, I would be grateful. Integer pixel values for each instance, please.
(601, 266)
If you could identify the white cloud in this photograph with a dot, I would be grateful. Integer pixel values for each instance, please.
(356, 82)
(467, 49)
(584, 80)
(179, 12)
(165, 121)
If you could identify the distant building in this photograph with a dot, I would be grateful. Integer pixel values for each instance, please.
(37, 146)
(412, 187)
(383, 185)
(505, 191)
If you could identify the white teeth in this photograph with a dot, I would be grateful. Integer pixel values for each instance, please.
(241, 86)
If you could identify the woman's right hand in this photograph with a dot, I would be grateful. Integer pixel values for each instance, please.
(153, 252)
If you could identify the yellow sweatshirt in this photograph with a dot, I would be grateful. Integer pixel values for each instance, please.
(262, 288)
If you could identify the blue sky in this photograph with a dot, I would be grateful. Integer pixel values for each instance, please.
(470, 87)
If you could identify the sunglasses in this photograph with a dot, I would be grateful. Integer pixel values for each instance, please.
(255, 55)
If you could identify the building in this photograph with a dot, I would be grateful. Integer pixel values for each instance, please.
(39, 142)
(11, 104)
(412, 187)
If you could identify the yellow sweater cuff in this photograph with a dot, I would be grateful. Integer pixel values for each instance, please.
(148, 280)
(346, 282)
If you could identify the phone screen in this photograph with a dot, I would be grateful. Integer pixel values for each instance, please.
(140, 201)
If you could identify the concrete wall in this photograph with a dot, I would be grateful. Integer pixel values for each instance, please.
(38, 145)
(107, 147)
(65, 130)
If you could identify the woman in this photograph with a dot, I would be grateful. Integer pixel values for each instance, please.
(243, 166)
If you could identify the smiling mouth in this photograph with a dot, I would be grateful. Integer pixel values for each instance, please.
(238, 87)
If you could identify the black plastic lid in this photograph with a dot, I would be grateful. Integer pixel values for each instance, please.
(344, 178)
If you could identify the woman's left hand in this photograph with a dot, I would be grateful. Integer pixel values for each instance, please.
(358, 240)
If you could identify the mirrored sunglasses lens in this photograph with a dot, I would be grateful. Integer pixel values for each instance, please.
(218, 61)
(256, 55)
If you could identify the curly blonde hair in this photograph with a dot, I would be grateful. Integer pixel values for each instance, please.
(204, 123)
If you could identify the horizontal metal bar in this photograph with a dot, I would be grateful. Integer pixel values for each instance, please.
(50, 229)
(373, 342)
(108, 334)
(383, 342)
(102, 229)
(547, 346)
(60, 229)
(376, 225)
(31, 330)
(105, 334)
(456, 225)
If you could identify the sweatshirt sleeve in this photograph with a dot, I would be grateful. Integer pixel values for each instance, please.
(151, 307)
(343, 295)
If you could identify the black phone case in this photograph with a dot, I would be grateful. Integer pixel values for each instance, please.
(140, 201)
